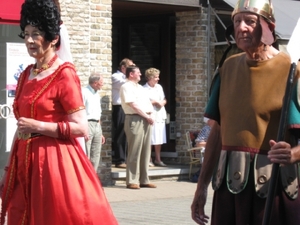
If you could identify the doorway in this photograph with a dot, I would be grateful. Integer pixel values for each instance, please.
(150, 42)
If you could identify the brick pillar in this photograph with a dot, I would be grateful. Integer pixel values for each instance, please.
(191, 74)
(89, 24)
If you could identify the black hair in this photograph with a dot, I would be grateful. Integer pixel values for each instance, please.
(42, 14)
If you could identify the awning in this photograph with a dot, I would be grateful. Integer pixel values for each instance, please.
(287, 13)
(10, 11)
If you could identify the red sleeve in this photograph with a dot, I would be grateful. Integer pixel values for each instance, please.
(70, 90)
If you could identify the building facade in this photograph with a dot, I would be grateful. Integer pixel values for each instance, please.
(184, 39)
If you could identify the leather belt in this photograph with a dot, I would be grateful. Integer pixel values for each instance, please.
(26, 136)
(92, 120)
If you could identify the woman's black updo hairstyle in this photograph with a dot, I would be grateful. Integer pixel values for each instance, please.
(42, 14)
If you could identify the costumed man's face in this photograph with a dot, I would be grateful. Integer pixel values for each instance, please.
(247, 31)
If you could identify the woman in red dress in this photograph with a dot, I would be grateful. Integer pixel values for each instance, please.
(48, 179)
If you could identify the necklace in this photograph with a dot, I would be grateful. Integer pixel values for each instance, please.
(44, 66)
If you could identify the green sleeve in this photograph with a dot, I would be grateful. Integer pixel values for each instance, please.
(212, 109)
(294, 109)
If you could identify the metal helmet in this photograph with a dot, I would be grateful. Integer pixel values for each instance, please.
(263, 8)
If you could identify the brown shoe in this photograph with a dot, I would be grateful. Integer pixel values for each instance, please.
(148, 186)
(122, 166)
(133, 186)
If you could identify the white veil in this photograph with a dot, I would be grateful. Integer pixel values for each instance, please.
(64, 51)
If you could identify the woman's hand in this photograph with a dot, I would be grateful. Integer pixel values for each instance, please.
(27, 125)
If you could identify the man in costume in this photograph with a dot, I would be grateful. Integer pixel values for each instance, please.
(246, 101)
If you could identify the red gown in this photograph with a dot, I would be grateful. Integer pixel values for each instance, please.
(50, 181)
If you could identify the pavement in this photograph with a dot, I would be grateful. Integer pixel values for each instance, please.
(168, 204)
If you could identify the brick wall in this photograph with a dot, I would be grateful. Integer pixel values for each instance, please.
(191, 74)
(89, 27)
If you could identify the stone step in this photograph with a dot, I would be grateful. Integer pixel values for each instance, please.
(171, 172)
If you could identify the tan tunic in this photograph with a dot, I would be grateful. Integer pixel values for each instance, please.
(250, 102)
(251, 97)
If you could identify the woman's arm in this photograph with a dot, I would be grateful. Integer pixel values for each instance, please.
(77, 122)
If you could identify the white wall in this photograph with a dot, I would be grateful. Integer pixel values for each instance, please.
(8, 33)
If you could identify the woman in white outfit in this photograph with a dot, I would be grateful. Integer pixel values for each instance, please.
(158, 100)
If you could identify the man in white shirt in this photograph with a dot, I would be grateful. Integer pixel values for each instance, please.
(119, 143)
(92, 102)
(137, 126)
